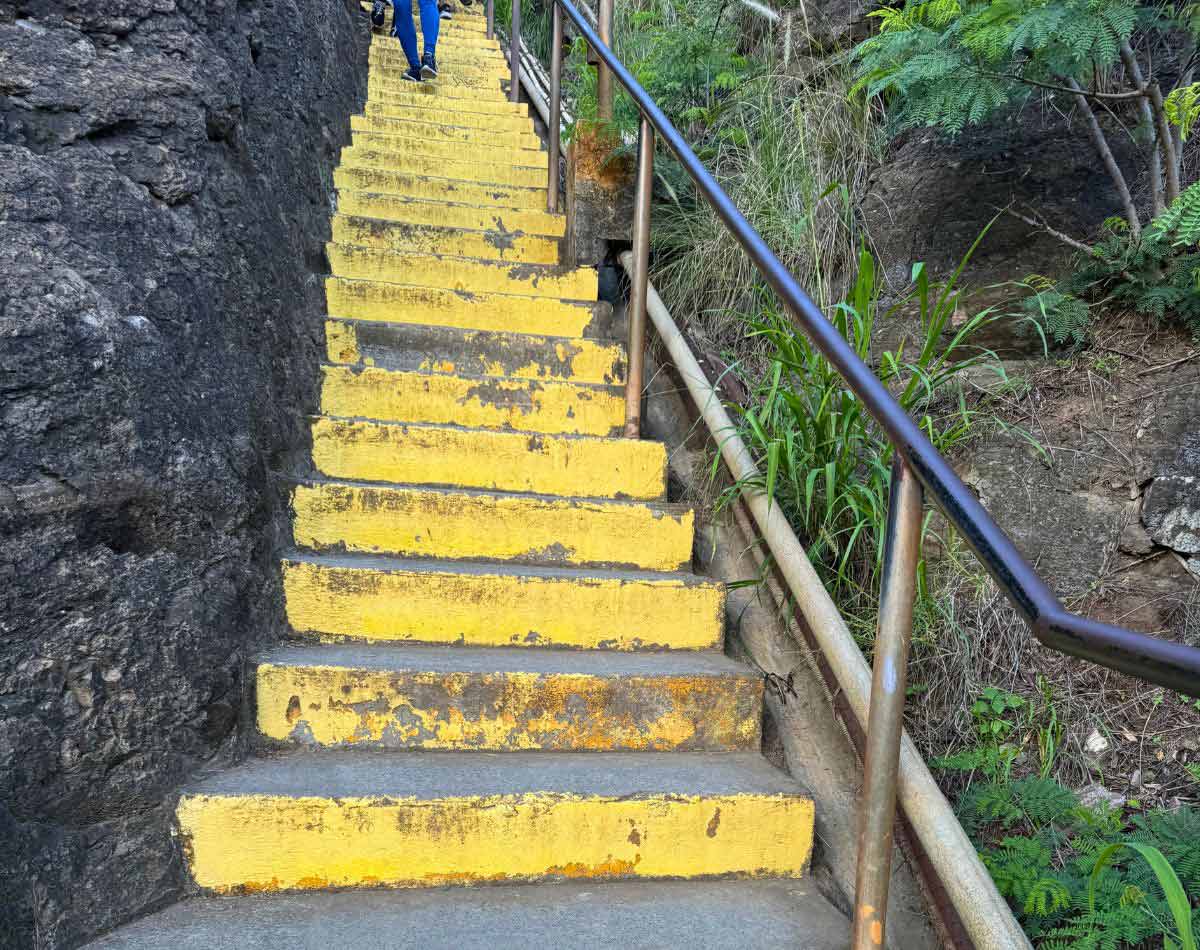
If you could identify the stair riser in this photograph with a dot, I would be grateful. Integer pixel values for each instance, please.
(469, 120)
(448, 39)
(474, 609)
(427, 188)
(516, 528)
(444, 132)
(507, 711)
(461, 274)
(432, 306)
(486, 245)
(270, 843)
(454, 97)
(416, 211)
(436, 350)
(460, 63)
(415, 163)
(548, 408)
(490, 155)
(448, 78)
(489, 460)
(388, 93)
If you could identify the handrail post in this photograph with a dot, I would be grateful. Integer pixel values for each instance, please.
(556, 41)
(604, 89)
(885, 722)
(490, 7)
(640, 280)
(514, 51)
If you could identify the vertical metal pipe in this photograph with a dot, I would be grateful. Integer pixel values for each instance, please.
(604, 88)
(490, 7)
(554, 122)
(514, 51)
(885, 722)
(640, 280)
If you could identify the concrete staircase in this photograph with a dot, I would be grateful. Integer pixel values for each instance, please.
(501, 670)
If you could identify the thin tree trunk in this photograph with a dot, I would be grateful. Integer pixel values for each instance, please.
(1167, 140)
(1106, 156)
(1134, 71)
(1177, 133)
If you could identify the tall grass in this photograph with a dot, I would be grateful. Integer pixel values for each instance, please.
(821, 456)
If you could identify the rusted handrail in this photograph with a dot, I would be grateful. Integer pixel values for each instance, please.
(1165, 663)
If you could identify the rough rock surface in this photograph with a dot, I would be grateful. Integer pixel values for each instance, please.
(164, 185)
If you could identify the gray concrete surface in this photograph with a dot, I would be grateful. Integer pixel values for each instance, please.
(665, 915)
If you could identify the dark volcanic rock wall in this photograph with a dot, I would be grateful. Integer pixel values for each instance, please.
(164, 197)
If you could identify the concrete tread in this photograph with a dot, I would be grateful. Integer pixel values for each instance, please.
(636, 915)
(403, 657)
(515, 433)
(432, 775)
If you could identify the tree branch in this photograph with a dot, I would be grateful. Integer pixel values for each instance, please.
(1057, 235)
(1106, 156)
(1134, 71)
(1077, 91)
(1166, 140)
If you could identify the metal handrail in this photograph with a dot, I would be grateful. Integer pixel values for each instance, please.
(1165, 663)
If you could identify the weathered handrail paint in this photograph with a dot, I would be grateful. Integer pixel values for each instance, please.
(1163, 662)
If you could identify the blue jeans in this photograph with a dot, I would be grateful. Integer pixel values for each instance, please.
(405, 30)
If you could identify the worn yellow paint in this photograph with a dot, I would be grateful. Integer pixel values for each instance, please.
(341, 342)
(428, 239)
(385, 142)
(420, 522)
(515, 356)
(434, 306)
(430, 188)
(415, 211)
(507, 711)
(459, 120)
(450, 95)
(426, 96)
(443, 399)
(459, 63)
(482, 608)
(443, 131)
(488, 459)
(402, 160)
(464, 274)
(269, 843)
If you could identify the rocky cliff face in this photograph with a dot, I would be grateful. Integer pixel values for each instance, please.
(164, 198)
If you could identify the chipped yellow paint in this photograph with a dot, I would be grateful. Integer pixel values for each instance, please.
(463, 274)
(429, 188)
(482, 608)
(419, 522)
(341, 342)
(392, 144)
(507, 711)
(434, 93)
(270, 843)
(385, 92)
(433, 306)
(443, 131)
(437, 399)
(415, 211)
(459, 120)
(484, 245)
(405, 160)
(488, 459)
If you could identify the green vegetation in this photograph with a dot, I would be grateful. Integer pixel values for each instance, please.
(1083, 878)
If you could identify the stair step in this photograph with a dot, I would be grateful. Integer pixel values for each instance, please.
(416, 163)
(441, 698)
(376, 300)
(488, 121)
(699, 915)
(453, 96)
(449, 38)
(408, 210)
(431, 188)
(415, 348)
(462, 274)
(447, 78)
(567, 465)
(456, 242)
(338, 819)
(499, 155)
(460, 63)
(445, 131)
(391, 599)
(478, 402)
(457, 524)
(427, 96)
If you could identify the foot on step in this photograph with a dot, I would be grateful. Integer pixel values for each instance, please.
(428, 66)
(445, 11)
(413, 74)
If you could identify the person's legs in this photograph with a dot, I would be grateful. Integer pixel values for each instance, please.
(405, 30)
(430, 21)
